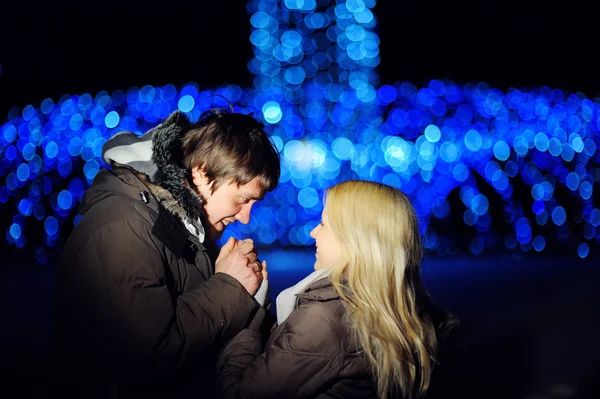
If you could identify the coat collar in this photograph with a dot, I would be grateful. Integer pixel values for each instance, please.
(320, 290)
(157, 156)
(169, 226)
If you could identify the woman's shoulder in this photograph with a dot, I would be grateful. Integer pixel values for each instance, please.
(316, 326)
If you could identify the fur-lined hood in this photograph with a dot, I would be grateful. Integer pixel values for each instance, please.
(155, 158)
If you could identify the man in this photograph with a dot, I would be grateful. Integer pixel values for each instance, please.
(143, 303)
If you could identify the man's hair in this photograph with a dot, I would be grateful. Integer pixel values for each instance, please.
(231, 146)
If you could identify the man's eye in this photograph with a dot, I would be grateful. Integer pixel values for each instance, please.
(321, 224)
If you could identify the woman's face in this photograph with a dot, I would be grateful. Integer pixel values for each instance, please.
(328, 249)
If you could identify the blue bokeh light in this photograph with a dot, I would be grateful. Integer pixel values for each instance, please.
(583, 250)
(51, 225)
(15, 231)
(316, 90)
(559, 216)
(65, 199)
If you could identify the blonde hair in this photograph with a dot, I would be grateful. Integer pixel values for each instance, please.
(379, 278)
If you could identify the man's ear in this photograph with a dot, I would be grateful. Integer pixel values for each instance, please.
(199, 176)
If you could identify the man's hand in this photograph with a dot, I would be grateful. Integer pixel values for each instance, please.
(236, 259)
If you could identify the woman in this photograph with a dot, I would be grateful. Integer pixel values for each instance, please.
(359, 326)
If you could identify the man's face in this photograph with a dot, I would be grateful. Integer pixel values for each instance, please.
(227, 203)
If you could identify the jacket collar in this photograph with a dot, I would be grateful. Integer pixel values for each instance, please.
(157, 156)
(320, 290)
(169, 225)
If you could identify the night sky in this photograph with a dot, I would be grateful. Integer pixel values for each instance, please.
(52, 48)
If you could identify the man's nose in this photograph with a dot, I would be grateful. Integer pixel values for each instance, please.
(244, 214)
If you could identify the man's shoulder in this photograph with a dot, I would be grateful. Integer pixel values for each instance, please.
(116, 193)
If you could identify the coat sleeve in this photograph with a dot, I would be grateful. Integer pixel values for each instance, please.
(302, 360)
(124, 315)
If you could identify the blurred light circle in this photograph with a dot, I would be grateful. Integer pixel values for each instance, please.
(501, 151)
(23, 172)
(469, 217)
(186, 103)
(75, 122)
(51, 225)
(308, 197)
(51, 149)
(28, 112)
(25, 207)
(477, 245)
(460, 172)
(583, 250)
(28, 151)
(433, 133)
(559, 216)
(64, 199)
(295, 75)
(294, 150)
(342, 148)
(554, 147)
(260, 19)
(567, 152)
(272, 112)
(9, 133)
(15, 231)
(355, 33)
(473, 140)
(291, 38)
(315, 20)
(520, 145)
(111, 119)
(260, 37)
(538, 207)
(542, 218)
(585, 190)
(577, 144)
(47, 106)
(589, 147)
(426, 97)
(12, 181)
(480, 204)
(448, 152)
(595, 217)
(387, 94)
(537, 192)
(539, 242)
(267, 235)
(91, 168)
(573, 181)
(75, 146)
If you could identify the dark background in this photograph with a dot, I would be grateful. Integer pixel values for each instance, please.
(48, 49)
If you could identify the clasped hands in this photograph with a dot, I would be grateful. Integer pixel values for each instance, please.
(239, 259)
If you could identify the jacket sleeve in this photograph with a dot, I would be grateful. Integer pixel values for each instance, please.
(126, 314)
(304, 358)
